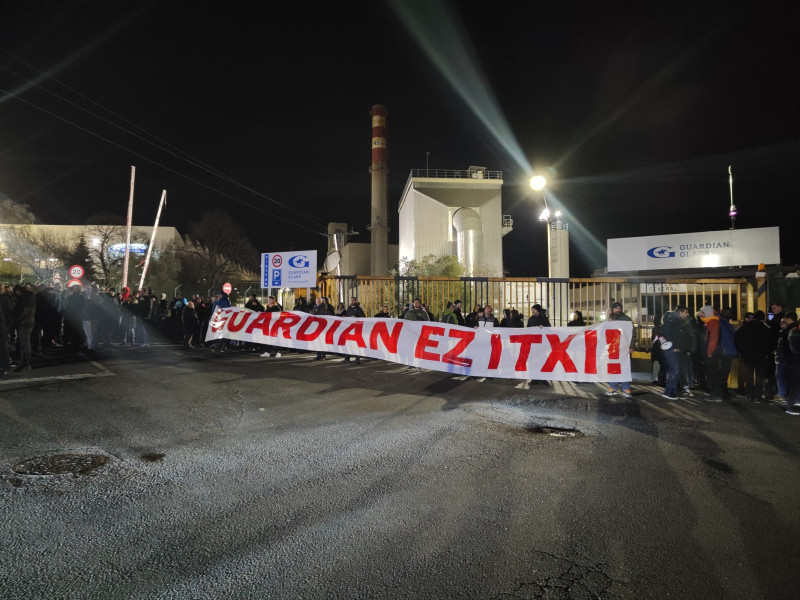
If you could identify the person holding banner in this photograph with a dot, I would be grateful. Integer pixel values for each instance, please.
(321, 309)
(354, 311)
(272, 306)
(538, 317)
(415, 312)
(220, 303)
(617, 314)
(488, 319)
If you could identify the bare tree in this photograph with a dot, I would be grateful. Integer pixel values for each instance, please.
(217, 251)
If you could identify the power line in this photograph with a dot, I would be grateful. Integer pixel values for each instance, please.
(152, 161)
(162, 145)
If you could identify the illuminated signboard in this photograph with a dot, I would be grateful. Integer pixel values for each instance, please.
(119, 249)
(727, 248)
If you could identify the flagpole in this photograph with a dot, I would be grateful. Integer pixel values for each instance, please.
(153, 238)
(128, 232)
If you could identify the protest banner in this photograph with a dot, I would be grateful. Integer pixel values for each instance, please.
(599, 353)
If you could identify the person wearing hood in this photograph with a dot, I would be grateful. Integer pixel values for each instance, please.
(454, 316)
(538, 317)
(577, 320)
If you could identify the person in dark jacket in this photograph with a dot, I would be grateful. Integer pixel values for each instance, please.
(471, 320)
(222, 302)
(455, 317)
(577, 320)
(792, 355)
(191, 325)
(27, 318)
(538, 317)
(383, 313)
(300, 305)
(754, 341)
(253, 304)
(6, 316)
(321, 309)
(354, 311)
(676, 344)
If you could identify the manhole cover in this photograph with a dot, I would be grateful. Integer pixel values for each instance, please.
(58, 464)
(562, 432)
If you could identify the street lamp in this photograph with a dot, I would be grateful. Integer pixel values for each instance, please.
(558, 248)
(538, 183)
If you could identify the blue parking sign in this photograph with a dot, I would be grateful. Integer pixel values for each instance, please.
(276, 278)
(264, 270)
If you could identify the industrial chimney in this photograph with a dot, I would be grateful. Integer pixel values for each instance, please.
(379, 226)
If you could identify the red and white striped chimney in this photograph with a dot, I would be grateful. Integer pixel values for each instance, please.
(379, 225)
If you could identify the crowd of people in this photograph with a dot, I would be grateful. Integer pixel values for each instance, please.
(697, 351)
(694, 352)
(40, 319)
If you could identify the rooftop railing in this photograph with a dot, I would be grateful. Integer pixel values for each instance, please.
(457, 173)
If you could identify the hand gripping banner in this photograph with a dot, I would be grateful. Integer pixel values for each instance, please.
(599, 353)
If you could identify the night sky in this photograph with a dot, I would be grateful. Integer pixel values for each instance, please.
(262, 109)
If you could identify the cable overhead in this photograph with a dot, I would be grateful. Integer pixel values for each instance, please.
(163, 145)
(165, 167)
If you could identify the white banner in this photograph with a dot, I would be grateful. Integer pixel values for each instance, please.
(599, 353)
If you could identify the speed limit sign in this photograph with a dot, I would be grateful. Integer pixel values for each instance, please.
(76, 271)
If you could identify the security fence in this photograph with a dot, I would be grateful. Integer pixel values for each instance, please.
(644, 300)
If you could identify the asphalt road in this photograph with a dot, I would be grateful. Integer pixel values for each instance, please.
(234, 476)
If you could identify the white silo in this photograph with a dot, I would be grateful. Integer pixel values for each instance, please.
(454, 212)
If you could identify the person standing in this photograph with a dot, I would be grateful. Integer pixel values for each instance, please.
(776, 375)
(191, 325)
(383, 313)
(727, 345)
(792, 356)
(471, 320)
(787, 361)
(6, 315)
(676, 341)
(617, 314)
(754, 341)
(272, 306)
(27, 319)
(538, 317)
(488, 319)
(253, 304)
(577, 320)
(415, 312)
(220, 303)
(320, 309)
(455, 317)
(354, 311)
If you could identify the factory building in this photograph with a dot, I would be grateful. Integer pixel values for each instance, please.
(454, 212)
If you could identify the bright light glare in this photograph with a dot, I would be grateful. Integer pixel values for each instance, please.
(558, 213)
(538, 182)
(544, 215)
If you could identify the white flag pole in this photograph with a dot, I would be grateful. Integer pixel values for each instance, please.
(128, 233)
(152, 238)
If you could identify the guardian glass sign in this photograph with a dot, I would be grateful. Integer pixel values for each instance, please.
(728, 248)
(289, 269)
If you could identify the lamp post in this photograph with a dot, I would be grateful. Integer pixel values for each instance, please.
(557, 234)
(538, 183)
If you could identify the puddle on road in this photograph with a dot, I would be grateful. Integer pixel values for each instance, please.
(59, 464)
